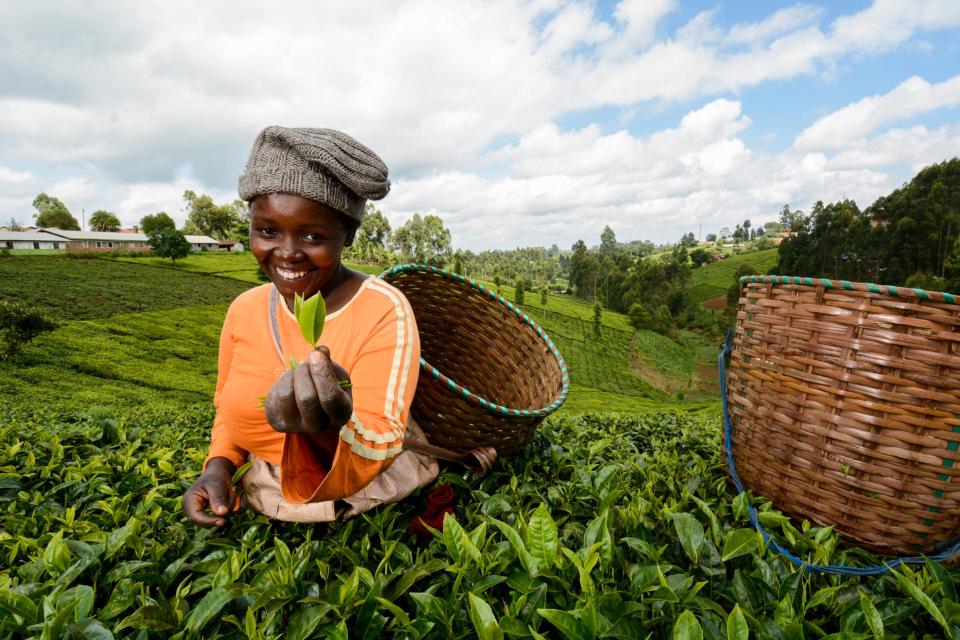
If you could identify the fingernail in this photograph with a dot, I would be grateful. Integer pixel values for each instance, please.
(314, 357)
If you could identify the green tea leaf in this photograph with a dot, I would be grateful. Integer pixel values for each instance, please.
(570, 626)
(311, 314)
(483, 619)
(90, 629)
(542, 538)
(19, 605)
(739, 543)
(737, 628)
(687, 627)
(917, 594)
(691, 534)
(872, 616)
(239, 473)
(147, 617)
(210, 605)
(305, 621)
(525, 557)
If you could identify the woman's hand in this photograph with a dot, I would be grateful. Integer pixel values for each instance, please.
(213, 491)
(309, 399)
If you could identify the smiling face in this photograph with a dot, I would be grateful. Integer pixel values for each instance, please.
(298, 243)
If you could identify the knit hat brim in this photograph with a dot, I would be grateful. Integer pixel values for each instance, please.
(324, 165)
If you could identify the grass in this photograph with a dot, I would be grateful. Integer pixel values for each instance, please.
(106, 364)
(712, 280)
(86, 288)
(135, 331)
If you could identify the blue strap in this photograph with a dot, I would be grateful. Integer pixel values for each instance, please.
(837, 569)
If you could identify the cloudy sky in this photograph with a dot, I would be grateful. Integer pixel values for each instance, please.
(520, 123)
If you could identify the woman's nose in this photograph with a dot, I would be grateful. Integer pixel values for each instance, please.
(289, 246)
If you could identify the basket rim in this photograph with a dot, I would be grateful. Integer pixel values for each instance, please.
(882, 289)
(462, 391)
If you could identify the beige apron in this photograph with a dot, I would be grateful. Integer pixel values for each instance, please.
(410, 471)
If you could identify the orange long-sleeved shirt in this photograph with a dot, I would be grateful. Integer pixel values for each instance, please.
(374, 337)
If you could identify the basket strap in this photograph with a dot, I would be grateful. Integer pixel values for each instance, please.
(838, 569)
(479, 460)
(272, 308)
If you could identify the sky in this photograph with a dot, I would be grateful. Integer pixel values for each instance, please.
(518, 123)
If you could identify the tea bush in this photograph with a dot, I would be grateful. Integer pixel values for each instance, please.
(18, 326)
(603, 526)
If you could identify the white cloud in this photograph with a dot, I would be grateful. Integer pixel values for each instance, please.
(123, 105)
(914, 96)
(9, 176)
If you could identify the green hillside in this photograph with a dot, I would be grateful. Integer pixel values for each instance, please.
(712, 280)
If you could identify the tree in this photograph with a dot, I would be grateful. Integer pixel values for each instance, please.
(608, 241)
(519, 292)
(19, 324)
(423, 240)
(14, 224)
(711, 237)
(597, 315)
(543, 296)
(688, 240)
(102, 220)
(497, 282)
(375, 227)
(169, 243)
(209, 218)
(700, 256)
(52, 213)
(156, 221)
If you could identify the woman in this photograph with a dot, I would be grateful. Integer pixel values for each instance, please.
(319, 450)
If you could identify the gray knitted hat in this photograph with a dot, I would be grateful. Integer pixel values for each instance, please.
(320, 164)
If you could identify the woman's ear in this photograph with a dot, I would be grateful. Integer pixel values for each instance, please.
(350, 237)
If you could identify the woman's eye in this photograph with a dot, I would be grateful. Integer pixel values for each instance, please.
(314, 237)
(265, 231)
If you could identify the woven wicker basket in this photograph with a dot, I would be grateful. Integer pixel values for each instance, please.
(844, 399)
(489, 373)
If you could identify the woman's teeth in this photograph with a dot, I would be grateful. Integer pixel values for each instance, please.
(290, 275)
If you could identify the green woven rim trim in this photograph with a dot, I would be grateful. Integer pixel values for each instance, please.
(881, 289)
(471, 397)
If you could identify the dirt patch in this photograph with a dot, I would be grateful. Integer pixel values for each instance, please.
(715, 304)
(708, 380)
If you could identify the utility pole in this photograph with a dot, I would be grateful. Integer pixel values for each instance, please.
(700, 234)
(83, 225)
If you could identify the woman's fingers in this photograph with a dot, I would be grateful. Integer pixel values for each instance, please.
(201, 495)
(336, 403)
(281, 406)
(307, 399)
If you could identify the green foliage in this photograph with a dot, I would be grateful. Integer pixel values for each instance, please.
(700, 256)
(19, 324)
(423, 240)
(169, 243)
(102, 220)
(912, 230)
(597, 318)
(52, 213)
(714, 279)
(155, 221)
(205, 217)
(85, 288)
(519, 291)
(602, 526)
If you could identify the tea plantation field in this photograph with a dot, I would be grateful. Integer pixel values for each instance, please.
(605, 525)
(714, 279)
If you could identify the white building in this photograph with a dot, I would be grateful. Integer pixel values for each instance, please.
(31, 240)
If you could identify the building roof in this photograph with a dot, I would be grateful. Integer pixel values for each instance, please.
(201, 240)
(29, 236)
(98, 235)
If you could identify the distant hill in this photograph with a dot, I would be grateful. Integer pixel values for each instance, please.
(712, 280)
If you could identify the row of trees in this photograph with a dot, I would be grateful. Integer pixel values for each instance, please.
(911, 236)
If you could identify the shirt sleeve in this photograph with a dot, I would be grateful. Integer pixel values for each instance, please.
(384, 379)
(221, 442)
